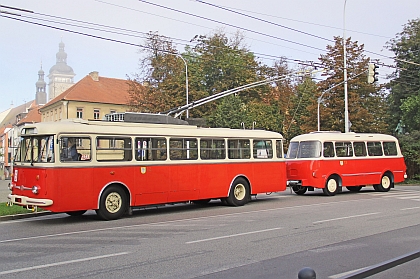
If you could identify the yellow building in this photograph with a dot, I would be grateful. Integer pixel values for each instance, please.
(90, 98)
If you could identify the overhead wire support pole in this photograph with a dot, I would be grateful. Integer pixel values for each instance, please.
(329, 89)
(186, 81)
(346, 106)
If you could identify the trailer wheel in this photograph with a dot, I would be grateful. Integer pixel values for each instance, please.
(386, 183)
(331, 187)
(239, 193)
(113, 203)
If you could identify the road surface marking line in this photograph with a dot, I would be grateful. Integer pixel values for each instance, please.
(231, 235)
(347, 217)
(60, 263)
(409, 208)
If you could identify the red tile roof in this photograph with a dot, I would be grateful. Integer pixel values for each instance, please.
(33, 116)
(102, 90)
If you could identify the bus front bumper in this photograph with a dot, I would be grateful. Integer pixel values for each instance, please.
(26, 201)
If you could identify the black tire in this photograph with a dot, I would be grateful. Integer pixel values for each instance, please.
(76, 213)
(299, 190)
(239, 193)
(354, 188)
(331, 186)
(202, 202)
(113, 203)
(385, 185)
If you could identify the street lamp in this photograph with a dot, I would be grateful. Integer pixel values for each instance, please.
(346, 106)
(186, 79)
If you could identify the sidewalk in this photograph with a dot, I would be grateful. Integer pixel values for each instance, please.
(4, 191)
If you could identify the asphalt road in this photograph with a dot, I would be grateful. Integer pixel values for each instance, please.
(272, 237)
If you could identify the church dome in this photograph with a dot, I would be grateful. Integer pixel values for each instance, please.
(61, 66)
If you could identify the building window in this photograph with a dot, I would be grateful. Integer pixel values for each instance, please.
(79, 113)
(96, 114)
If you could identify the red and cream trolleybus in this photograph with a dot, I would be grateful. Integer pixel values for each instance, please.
(112, 166)
(332, 160)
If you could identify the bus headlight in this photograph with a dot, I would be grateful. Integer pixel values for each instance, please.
(35, 189)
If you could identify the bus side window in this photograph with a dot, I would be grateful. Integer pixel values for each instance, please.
(113, 149)
(309, 149)
(183, 149)
(239, 149)
(374, 148)
(279, 148)
(262, 149)
(359, 149)
(328, 149)
(150, 149)
(390, 148)
(212, 149)
(343, 149)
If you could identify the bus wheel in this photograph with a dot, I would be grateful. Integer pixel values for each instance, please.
(113, 203)
(76, 213)
(299, 190)
(354, 188)
(331, 187)
(239, 193)
(386, 183)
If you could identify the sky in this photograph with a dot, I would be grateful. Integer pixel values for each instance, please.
(298, 30)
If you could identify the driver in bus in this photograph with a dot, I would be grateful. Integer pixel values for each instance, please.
(72, 151)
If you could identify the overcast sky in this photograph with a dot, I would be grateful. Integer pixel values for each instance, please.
(298, 29)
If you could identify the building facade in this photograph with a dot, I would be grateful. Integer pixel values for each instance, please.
(90, 98)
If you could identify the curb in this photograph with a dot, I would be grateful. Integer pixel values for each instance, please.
(24, 215)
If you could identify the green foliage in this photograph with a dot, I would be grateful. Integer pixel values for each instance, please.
(12, 210)
(405, 86)
(366, 103)
(410, 147)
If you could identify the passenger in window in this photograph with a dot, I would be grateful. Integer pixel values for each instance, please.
(72, 151)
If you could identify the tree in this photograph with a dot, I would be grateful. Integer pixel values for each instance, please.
(366, 102)
(160, 85)
(404, 97)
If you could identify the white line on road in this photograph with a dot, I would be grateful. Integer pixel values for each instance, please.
(410, 208)
(181, 220)
(231, 235)
(60, 263)
(347, 217)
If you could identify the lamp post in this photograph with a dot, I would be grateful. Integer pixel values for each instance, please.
(186, 79)
(346, 106)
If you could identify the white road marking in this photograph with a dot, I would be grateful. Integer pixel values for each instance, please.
(180, 220)
(410, 208)
(231, 235)
(60, 263)
(347, 217)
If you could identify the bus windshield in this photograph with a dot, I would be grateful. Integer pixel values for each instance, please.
(35, 149)
(304, 149)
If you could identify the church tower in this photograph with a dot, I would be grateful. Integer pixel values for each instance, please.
(61, 75)
(41, 89)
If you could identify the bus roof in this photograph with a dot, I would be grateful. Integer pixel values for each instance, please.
(80, 126)
(338, 136)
